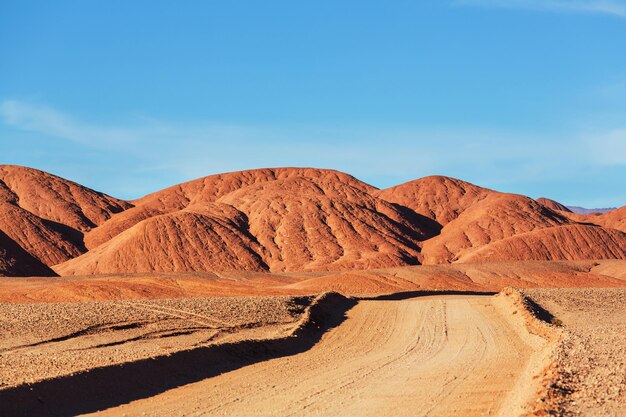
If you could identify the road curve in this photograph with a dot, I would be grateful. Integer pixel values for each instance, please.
(428, 356)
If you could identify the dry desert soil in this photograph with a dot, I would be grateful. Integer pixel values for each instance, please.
(419, 352)
(303, 291)
(397, 355)
(435, 355)
(590, 360)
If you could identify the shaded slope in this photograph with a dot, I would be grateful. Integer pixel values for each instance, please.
(16, 262)
(46, 215)
(614, 219)
(321, 224)
(59, 200)
(496, 217)
(440, 198)
(44, 240)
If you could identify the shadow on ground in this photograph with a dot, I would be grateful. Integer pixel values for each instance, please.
(110, 386)
(423, 293)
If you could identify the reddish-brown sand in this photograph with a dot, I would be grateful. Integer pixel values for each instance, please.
(490, 276)
(123, 327)
(47, 216)
(285, 220)
(614, 219)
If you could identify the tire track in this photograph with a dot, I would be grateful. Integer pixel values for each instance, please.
(427, 356)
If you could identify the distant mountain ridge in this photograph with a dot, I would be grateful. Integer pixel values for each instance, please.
(555, 205)
(582, 210)
(285, 219)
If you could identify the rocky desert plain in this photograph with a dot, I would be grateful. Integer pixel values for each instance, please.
(306, 292)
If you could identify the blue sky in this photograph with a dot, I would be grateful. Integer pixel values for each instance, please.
(128, 97)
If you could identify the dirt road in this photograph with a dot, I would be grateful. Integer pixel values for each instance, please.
(435, 356)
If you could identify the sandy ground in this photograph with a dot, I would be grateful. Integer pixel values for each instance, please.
(489, 276)
(436, 356)
(125, 346)
(591, 360)
(39, 341)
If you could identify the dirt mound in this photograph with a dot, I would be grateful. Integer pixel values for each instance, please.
(46, 241)
(286, 220)
(59, 200)
(317, 224)
(614, 219)
(214, 239)
(46, 341)
(553, 205)
(207, 190)
(46, 215)
(496, 217)
(440, 198)
(568, 242)
(587, 378)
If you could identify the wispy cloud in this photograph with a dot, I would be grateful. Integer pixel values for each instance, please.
(151, 154)
(609, 7)
(608, 148)
(51, 122)
(195, 149)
